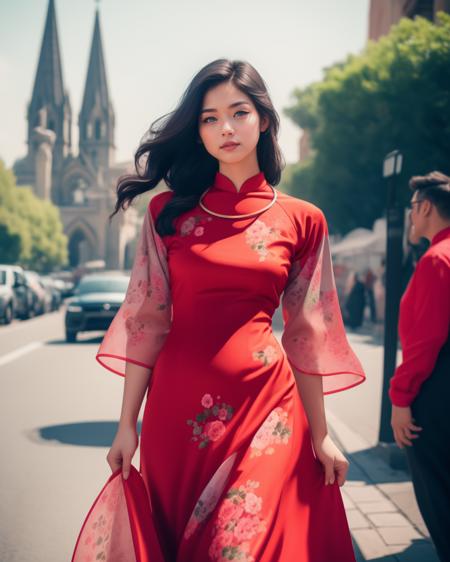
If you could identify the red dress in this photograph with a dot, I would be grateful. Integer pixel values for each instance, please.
(227, 469)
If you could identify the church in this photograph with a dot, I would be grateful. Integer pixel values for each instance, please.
(81, 185)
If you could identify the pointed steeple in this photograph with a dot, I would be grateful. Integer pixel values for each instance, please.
(96, 83)
(49, 97)
(96, 118)
(48, 84)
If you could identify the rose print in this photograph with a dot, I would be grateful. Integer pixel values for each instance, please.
(135, 330)
(190, 225)
(207, 401)
(238, 521)
(266, 355)
(214, 430)
(258, 235)
(206, 431)
(187, 226)
(274, 431)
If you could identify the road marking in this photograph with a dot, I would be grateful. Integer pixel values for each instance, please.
(19, 352)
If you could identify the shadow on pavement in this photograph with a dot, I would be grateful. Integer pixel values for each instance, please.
(85, 434)
(369, 466)
(420, 550)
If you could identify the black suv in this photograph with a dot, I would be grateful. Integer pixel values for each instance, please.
(97, 298)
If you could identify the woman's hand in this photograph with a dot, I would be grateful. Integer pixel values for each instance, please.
(333, 461)
(402, 426)
(122, 450)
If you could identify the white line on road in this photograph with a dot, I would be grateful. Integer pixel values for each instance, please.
(19, 352)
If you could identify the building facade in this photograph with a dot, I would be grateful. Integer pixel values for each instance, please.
(385, 13)
(81, 185)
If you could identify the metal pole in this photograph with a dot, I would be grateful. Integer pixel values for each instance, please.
(394, 260)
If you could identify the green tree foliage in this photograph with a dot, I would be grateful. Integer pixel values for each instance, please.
(31, 232)
(394, 95)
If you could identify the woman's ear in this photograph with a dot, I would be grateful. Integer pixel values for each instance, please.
(264, 127)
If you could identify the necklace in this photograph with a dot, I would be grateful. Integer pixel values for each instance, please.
(202, 205)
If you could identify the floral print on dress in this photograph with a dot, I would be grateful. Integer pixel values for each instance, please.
(206, 431)
(238, 522)
(275, 430)
(189, 225)
(99, 539)
(210, 496)
(266, 355)
(258, 235)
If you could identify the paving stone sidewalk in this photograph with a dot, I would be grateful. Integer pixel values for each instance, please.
(381, 508)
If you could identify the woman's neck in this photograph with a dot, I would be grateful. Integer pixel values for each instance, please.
(238, 174)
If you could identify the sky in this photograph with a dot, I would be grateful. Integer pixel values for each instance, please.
(154, 48)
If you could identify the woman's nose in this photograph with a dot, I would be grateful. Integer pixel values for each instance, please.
(226, 127)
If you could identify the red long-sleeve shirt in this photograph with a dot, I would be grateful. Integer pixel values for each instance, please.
(424, 320)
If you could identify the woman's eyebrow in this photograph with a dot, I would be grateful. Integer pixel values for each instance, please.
(229, 107)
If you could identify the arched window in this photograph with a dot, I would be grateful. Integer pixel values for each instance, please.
(98, 129)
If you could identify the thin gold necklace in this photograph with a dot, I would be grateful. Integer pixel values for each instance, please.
(202, 205)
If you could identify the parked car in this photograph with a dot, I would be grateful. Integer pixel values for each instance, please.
(52, 286)
(97, 298)
(41, 298)
(64, 281)
(16, 296)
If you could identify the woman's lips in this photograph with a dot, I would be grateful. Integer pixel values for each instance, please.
(230, 146)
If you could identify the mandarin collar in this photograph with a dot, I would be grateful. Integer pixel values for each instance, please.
(257, 182)
(441, 235)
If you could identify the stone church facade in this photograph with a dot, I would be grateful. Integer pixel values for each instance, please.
(82, 185)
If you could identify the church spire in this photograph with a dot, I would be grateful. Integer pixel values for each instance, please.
(49, 98)
(48, 84)
(96, 118)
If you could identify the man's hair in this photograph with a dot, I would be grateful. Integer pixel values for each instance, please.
(435, 187)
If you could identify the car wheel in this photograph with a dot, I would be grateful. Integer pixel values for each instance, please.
(71, 337)
(9, 314)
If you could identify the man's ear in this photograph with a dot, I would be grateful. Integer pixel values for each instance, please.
(428, 207)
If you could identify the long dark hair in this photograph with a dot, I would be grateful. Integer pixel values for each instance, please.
(172, 152)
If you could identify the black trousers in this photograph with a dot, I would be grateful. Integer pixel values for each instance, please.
(429, 455)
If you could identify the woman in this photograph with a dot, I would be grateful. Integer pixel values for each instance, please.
(235, 464)
(420, 385)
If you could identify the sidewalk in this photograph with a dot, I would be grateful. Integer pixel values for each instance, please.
(382, 512)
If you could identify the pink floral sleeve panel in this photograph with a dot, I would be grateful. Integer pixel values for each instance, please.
(143, 321)
(314, 336)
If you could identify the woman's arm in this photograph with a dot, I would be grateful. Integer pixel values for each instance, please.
(136, 383)
(310, 388)
(311, 393)
(125, 442)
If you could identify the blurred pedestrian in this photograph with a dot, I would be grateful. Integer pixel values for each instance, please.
(420, 386)
(369, 282)
(355, 304)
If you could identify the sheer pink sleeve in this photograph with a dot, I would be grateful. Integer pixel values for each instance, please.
(314, 336)
(143, 321)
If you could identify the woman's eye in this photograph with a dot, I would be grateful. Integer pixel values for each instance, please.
(241, 111)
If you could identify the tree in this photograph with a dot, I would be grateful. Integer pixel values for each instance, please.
(31, 232)
(395, 94)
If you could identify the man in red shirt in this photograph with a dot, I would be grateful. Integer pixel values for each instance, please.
(420, 386)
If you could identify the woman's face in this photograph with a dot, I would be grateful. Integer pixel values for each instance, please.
(227, 120)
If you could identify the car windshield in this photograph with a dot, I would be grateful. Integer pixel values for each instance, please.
(2, 277)
(107, 285)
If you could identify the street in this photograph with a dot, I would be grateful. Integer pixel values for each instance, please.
(59, 415)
